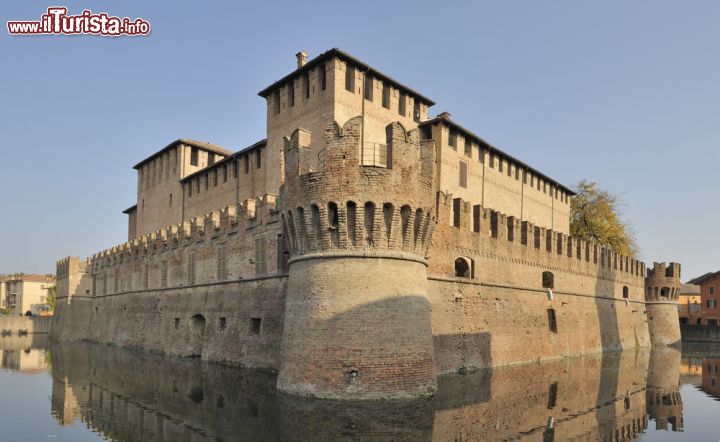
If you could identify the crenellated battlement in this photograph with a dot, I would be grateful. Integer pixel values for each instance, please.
(663, 282)
(348, 204)
(216, 225)
(487, 228)
(662, 288)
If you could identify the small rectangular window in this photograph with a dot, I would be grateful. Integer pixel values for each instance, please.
(416, 111)
(211, 159)
(194, 156)
(350, 78)
(223, 323)
(276, 100)
(456, 212)
(401, 104)
(291, 93)
(255, 325)
(177, 323)
(476, 218)
(500, 165)
(215, 178)
(452, 138)
(463, 174)
(235, 168)
(224, 173)
(246, 160)
(368, 88)
(426, 132)
(258, 159)
(386, 96)
(323, 77)
(468, 147)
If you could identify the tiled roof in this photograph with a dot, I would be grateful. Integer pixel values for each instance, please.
(335, 52)
(201, 144)
(701, 279)
(689, 290)
(443, 117)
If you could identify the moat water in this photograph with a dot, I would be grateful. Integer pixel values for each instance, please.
(82, 392)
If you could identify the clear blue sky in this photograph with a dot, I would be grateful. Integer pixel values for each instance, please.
(623, 93)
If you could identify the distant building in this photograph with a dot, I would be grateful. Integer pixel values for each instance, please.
(709, 285)
(26, 293)
(689, 304)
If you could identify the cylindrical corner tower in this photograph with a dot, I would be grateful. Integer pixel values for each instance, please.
(662, 287)
(357, 316)
(664, 403)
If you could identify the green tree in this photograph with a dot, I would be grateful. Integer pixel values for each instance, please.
(52, 297)
(595, 216)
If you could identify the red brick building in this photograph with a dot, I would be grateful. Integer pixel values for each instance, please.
(709, 292)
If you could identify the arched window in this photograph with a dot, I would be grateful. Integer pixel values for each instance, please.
(332, 215)
(626, 292)
(548, 280)
(463, 267)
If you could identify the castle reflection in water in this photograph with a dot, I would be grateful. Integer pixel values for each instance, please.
(127, 395)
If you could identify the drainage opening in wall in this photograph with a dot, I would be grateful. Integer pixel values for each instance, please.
(352, 376)
(197, 394)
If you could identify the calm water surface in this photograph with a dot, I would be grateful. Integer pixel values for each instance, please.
(82, 392)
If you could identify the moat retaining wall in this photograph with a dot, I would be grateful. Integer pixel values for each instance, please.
(24, 324)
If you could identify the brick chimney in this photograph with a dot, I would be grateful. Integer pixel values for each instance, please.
(301, 59)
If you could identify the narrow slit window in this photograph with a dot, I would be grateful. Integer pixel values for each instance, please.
(463, 174)
(291, 93)
(368, 88)
(350, 78)
(386, 96)
(452, 138)
(552, 320)
(552, 395)
(276, 101)
(323, 77)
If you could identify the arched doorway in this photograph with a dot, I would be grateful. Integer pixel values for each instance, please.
(197, 336)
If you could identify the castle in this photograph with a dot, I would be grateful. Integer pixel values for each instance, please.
(360, 251)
